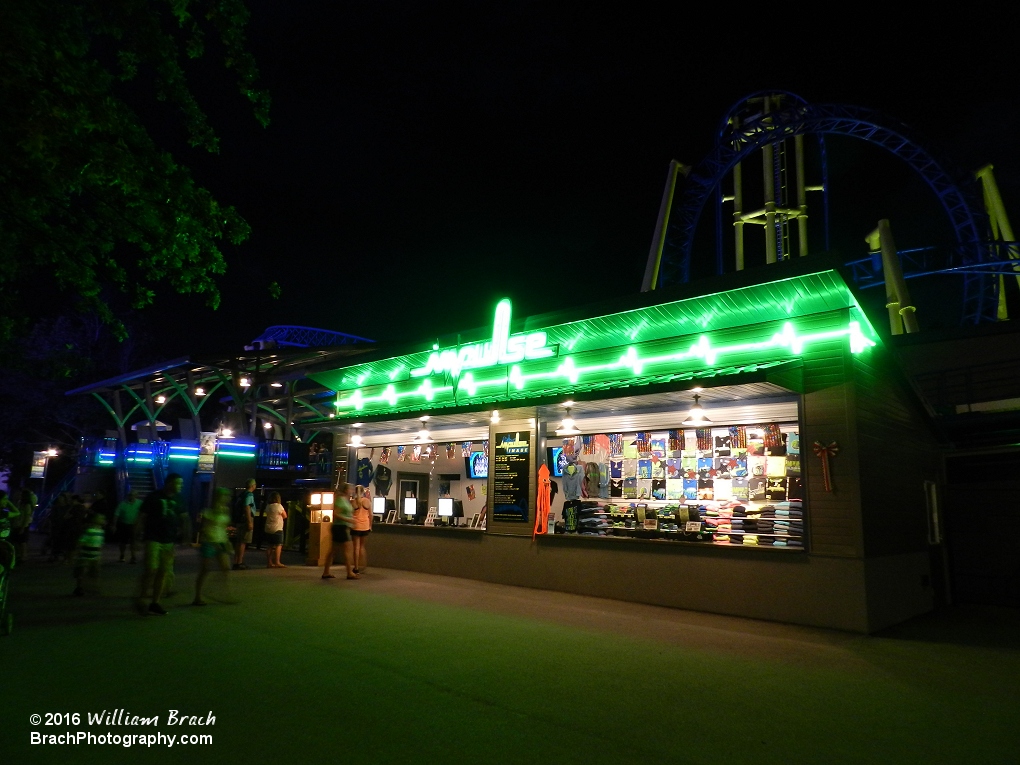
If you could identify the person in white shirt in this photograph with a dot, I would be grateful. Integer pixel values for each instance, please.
(275, 516)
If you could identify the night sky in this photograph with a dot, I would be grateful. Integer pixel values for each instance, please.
(426, 159)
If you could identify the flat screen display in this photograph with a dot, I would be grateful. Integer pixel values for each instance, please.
(477, 465)
(410, 506)
(557, 461)
(379, 505)
(446, 506)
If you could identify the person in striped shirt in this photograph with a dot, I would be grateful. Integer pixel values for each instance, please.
(88, 554)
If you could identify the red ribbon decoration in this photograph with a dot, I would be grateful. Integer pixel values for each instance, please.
(823, 452)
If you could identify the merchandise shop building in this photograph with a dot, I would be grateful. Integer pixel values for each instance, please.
(750, 450)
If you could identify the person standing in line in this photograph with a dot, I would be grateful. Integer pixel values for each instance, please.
(243, 521)
(9, 515)
(343, 518)
(275, 516)
(88, 555)
(21, 527)
(125, 518)
(163, 517)
(60, 521)
(214, 543)
(361, 528)
(258, 517)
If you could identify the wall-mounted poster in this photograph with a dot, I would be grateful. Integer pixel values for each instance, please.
(511, 476)
(206, 453)
(38, 465)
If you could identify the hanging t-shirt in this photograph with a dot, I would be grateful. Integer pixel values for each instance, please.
(383, 480)
(364, 472)
(572, 478)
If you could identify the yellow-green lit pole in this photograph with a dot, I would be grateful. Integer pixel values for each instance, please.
(770, 193)
(892, 304)
(798, 147)
(1000, 229)
(902, 311)
(738, 209)
(659, 237)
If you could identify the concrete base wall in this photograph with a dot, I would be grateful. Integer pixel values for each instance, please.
(790, 587)
(898, 588)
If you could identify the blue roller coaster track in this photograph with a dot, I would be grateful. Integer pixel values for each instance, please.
(974, 255)
(287, 335)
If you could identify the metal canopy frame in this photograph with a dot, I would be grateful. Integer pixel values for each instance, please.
(296, 402)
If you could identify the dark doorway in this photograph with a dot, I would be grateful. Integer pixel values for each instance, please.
(982, 505)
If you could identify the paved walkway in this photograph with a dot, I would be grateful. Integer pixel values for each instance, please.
(402, 667)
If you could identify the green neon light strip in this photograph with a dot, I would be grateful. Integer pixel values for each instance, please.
(190, 457)
(631, 361)
(236, 455)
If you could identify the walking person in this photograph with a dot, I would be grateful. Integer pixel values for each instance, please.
(163, 518)
(88, 555)
(214, 543)
(125, 518)
(275, 516)
(243, 520)
(343, 518)
(361, 528)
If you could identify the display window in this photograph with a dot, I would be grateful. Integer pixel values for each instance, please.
(722, 484)
(425, 484)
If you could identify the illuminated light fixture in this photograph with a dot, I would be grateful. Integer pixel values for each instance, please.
(423, 437)
(51, 452)
(331, 415)
(227, 433)
(356, 442)
(696, 390)
(568, 427)
(200, 391)
(276, 385)
(316, 499)
(267, 425)
(160, 399)
(495, 417)
(245, 382)
(327, 498)
(697, 415)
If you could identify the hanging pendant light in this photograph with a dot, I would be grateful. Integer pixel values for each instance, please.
(697, 415)
(423, 437)
(355, 442)
(568, 427)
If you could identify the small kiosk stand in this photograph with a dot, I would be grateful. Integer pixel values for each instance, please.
(320, 536)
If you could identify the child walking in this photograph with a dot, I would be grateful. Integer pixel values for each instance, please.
(88, 555)
(214, 543)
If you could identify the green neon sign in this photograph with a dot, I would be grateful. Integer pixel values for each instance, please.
(504, 348)
(612, 366)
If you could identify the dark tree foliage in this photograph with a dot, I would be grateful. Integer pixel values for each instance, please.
(95, 215)
(89, 203)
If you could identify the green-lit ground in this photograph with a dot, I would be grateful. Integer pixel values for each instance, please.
(401, 667)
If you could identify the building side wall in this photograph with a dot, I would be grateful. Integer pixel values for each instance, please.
(795, 588)
(897, 454)
(833, 517)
